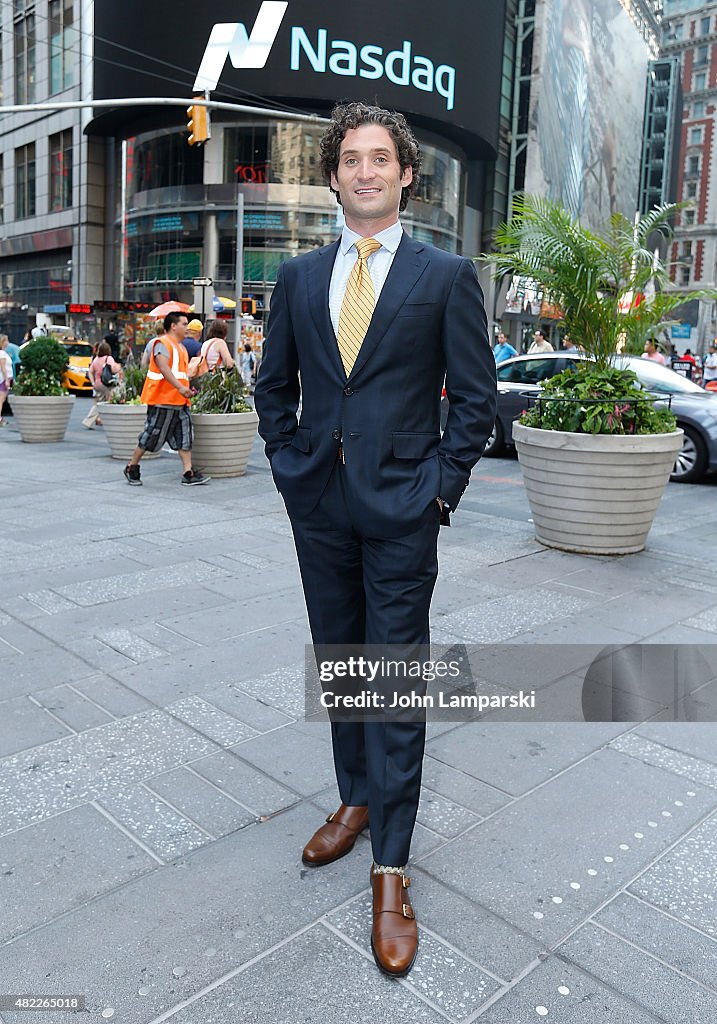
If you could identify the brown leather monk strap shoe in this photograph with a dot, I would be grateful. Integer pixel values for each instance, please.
(337, 837)
(394, 936)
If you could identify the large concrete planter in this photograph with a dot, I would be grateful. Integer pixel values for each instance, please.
(594, 493)
(42, 419)
(223, 441)
(122, 426)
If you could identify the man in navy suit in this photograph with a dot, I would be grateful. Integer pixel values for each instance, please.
(365, 474)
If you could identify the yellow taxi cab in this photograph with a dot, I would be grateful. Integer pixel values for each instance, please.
(76, 376)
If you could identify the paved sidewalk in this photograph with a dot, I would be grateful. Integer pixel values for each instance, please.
(157, 781)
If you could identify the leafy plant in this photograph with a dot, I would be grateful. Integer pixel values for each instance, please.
(591, 400)
(44, 361)
(129, 390)
(602, 283)
(222, 391)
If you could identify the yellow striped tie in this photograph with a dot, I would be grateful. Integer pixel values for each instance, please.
(358, 305)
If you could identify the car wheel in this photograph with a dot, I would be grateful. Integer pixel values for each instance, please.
(495, 442)
(691, 463)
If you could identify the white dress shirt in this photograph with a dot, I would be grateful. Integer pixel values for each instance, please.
(379, 264)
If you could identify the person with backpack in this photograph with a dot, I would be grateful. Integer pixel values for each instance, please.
(104, 373)
(248, 364)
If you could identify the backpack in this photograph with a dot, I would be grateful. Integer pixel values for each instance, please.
(107, 376)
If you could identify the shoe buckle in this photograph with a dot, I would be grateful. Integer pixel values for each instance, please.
(406, 881)
(408, 911)
(331, 816)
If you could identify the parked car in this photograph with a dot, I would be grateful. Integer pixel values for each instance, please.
(519, 383)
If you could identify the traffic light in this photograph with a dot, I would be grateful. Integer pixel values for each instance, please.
(248, 306)
(198, 124)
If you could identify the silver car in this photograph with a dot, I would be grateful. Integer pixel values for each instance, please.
(519, 381)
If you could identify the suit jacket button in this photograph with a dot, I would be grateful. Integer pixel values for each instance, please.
(348, 391)
(336, 434)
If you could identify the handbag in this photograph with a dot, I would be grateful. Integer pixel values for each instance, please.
(107, 377)
(198, 365)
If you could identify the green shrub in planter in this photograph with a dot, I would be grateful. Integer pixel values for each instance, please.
(129, 390)
(222, 391)
(593, 401)
(44, 362)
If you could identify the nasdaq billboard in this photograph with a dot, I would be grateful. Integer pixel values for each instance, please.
(438, 63)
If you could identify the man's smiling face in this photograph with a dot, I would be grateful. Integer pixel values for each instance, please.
(369, 179)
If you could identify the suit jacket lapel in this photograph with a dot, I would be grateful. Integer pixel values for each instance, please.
(408, 264)
(318, 289)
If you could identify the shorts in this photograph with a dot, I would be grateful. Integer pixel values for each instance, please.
(166, 426)
(4, 387)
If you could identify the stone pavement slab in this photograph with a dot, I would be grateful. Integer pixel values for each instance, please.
(516, 757)
(60, 865)
(157, 931)
(557, 991)
(678, 944)
(683, 881)
(545, 867)
(638, 976)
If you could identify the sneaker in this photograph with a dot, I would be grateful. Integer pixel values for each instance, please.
(193, 478)
(132, 475)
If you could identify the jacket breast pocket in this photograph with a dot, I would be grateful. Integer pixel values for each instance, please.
(416, 309)
(302, 439)
(419, 445)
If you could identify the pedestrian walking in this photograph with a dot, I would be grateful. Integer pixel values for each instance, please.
(101, 392)
(709, 368)
(247, 365)
(167, 394)
(539, 344)
(363, 332)
(192, 341)
(6, 375)
(503, 349)
(215, 348)
(652, 353)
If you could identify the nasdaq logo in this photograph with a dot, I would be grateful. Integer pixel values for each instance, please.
(231, 39)
(319, 53)
(402, 67)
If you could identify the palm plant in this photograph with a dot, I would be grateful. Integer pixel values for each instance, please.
(592, 277)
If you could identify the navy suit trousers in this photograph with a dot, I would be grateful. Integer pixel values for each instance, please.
(362, 590)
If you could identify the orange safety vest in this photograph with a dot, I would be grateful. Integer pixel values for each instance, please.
(157, 390)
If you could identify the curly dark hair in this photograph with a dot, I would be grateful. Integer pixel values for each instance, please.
(346, 116)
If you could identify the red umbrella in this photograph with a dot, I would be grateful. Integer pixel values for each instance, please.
(169, 307)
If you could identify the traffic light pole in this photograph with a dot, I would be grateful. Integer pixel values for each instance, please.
(239, 269)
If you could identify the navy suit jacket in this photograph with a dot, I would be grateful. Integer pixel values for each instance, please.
(429, 323)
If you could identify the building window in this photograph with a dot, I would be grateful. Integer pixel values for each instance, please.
(687, 250)
(25, 181)
(699, 109)
(684, 276)
(693, 165)
(62, 45)
(688, 218)
(61, 170)
(695, 136)
(701, 55)
(705, 27)
(699, 82)
(24, 36)
(691, 189)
